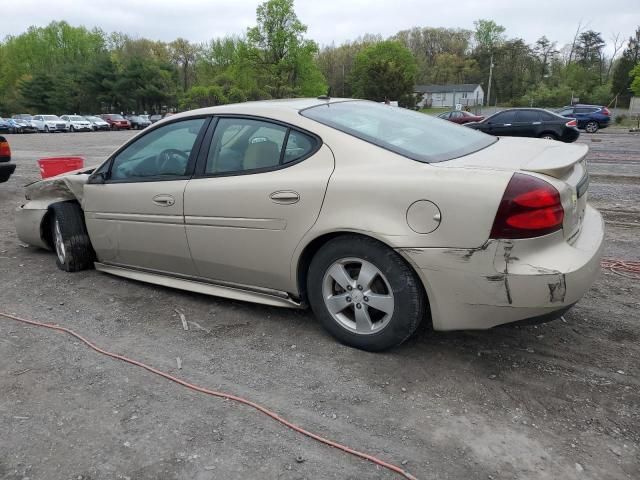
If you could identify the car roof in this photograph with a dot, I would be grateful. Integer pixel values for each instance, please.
(295, 104)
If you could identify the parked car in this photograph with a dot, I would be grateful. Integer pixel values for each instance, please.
(155, 118)
(5, 126)
(528, 122)
(461, 116)
(116, 121)
(6, 168)
(97, 123)
(25, 117)
(49, 123)
(137, 122)
(21, 126)
(404, 214)
(76, 123)
(590, 118)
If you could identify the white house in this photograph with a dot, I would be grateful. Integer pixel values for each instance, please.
(465, 94)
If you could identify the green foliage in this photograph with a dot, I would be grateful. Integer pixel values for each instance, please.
(384, 71)
(635, 80)
(279, 55)
(64, 69)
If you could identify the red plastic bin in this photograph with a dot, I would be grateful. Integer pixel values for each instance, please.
(52, 166)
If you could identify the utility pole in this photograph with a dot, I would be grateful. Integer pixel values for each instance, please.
(490, 76)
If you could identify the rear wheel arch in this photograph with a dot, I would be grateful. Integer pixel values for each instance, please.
(310, 250)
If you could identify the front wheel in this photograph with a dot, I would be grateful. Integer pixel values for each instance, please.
(46, 129)
(364, 293)
(591, 127)
(70, 237)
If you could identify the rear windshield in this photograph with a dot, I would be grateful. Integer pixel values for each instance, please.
(412, 134)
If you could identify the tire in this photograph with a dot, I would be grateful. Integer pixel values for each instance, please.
(71, 129)
(70, 238)
(46, 129)
(548, 136)
(591, 127)
(396, 286)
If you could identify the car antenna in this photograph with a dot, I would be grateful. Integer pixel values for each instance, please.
(327, 96)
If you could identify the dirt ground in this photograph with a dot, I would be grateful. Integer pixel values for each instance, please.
(554, 401)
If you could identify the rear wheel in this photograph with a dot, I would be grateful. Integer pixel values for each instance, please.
(591, 127)
(70, 237)
(549, 136)
(364, 293)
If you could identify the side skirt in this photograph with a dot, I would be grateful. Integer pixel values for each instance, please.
(236, 292)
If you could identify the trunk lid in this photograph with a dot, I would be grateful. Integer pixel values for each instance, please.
(563, 165)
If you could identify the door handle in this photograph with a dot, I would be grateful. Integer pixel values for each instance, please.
(506, 125)
(164, 200)
(285, 197)
(536, 123)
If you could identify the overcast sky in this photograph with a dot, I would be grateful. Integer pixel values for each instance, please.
(328, 20)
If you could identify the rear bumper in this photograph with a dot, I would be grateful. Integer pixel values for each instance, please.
(508, 281)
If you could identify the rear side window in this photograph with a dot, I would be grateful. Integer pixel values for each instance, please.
(566, 111)
(405, 132)
(586, 110)
(527, 116)
(242, 145)
(549, 117)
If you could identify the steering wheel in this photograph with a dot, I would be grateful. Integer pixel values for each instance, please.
(169, 157)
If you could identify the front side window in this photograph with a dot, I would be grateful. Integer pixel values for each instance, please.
(242, 144)
(503, 117)
(405, 132)
(163, 152)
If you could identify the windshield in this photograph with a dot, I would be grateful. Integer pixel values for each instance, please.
(50, 117)
(116, 117)
(76, 118)
(412, 134)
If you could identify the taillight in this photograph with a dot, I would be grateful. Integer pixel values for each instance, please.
(572, 123)
(605, 111)
(5, 151)
(530, 207)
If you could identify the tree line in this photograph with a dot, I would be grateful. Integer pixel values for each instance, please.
(63, 68)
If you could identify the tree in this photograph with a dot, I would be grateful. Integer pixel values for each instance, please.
(488, 34)
(621, 79)
(184, 55)
(384, 71)
(635, 80)
(546, 51)
(279, 53)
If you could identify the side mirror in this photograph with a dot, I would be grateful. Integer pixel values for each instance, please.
(97, 178)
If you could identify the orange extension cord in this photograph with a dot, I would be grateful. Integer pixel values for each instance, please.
(624, 268)
(394, 468)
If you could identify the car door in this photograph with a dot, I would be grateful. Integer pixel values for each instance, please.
(134, 203)
(501, 123)
(527, 123)
(583, 115)
(258, 189)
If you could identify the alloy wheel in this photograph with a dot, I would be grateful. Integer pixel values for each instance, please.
(358, 296)
(61, 251)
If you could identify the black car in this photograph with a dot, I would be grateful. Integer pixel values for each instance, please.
(529, 122)
(6, 168)
(138, 122)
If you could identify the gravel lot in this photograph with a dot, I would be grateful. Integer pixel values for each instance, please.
(556, 401)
